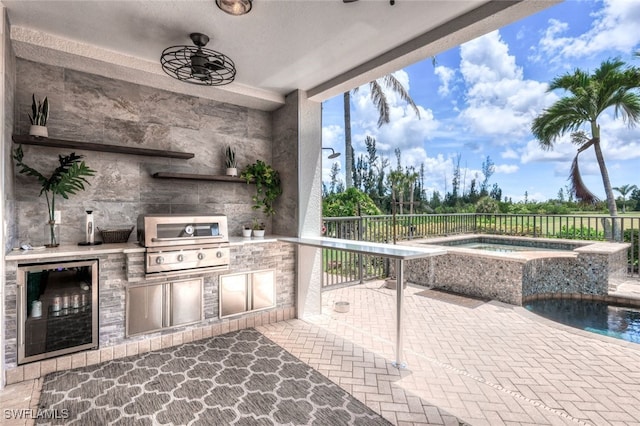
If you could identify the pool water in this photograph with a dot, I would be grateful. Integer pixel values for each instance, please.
(502, 248)
(594, 316)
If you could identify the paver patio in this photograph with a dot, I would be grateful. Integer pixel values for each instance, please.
(483, 363)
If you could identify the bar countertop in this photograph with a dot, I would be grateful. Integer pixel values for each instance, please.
(365, 247)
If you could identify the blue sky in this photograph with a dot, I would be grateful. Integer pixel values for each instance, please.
(482, 96)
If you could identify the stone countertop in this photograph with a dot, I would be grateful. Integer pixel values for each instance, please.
(65, 250)
(365, 247)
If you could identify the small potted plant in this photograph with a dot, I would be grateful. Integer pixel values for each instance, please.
(258, 228)
(39, 116)
(246, 231)
(267, 181)
(230, 161)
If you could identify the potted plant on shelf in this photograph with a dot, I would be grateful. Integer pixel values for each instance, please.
(246, 231)
(230, 161)
(67, 179)
(39, 116)
(258, 228)
(267, 181)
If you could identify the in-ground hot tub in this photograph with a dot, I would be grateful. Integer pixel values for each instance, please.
(521, 268)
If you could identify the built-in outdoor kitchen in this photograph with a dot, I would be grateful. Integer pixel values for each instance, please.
(184, 271)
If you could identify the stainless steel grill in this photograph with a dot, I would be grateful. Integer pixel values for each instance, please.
(181, 242)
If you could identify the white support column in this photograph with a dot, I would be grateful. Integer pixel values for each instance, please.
(310, 205)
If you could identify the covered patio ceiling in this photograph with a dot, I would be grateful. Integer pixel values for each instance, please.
(322, 47)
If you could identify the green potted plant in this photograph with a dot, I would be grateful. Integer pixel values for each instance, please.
(230, 161)
(258, 228)
(67, 179)
(39, 116)
(267, 181)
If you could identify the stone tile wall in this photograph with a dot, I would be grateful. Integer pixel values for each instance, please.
(86, 107)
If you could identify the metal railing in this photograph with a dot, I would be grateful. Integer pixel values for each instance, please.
(342, 267)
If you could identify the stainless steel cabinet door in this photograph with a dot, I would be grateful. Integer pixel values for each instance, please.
(185, 302)
(145, 306)
(233, 294)
(263, 291)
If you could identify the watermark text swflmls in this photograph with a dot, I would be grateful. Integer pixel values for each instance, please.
(33, 413)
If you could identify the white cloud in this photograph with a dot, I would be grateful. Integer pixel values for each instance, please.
(614, 28)
(509, 154)
(446, 75)
(506, 169)
(563, 151)
(500, 102)
(333, 137)
(405, 130)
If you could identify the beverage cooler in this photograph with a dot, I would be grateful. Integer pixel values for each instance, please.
(57, 309)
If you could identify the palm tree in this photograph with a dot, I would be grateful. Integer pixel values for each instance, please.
(380, 101)
(624, 190)
(588, 96)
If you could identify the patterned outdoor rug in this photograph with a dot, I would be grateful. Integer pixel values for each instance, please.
(240, 378)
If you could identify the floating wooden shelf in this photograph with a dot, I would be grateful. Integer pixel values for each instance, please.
(60, 143)
(192, 176)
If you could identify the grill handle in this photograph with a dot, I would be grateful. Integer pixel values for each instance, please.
(205, 237)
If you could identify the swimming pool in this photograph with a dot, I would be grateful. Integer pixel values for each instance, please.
(591, 315)
(505, 248)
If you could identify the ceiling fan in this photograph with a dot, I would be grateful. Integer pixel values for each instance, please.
(197, 64)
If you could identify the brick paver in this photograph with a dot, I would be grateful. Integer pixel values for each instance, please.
(469, 361)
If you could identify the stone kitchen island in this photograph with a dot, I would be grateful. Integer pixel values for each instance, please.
(121, 269)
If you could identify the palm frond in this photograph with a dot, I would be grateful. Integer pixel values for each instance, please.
(394, 84)
(566, 115)
(380, 101)
(578, 187)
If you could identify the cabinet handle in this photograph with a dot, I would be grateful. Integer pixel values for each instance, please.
(22, 321)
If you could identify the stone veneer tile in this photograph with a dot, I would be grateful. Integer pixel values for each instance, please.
(144, 346)
(176, 339)
(207, 332)
(132, 348)
(119, 351)
(32, 371)
(106, 354)
(167, 341)
(257, 320)
(47, 366)
(78, 360)
(197, 333)
(233, 325)
(93, 357)
(63, 363)
(15, 375)
(224, 327)
(242, 323)
(156, 343)
(187, 336)
(251, 322)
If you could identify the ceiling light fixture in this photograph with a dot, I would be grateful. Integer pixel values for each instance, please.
(235, 7)
(333, 153)
(197, 65)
